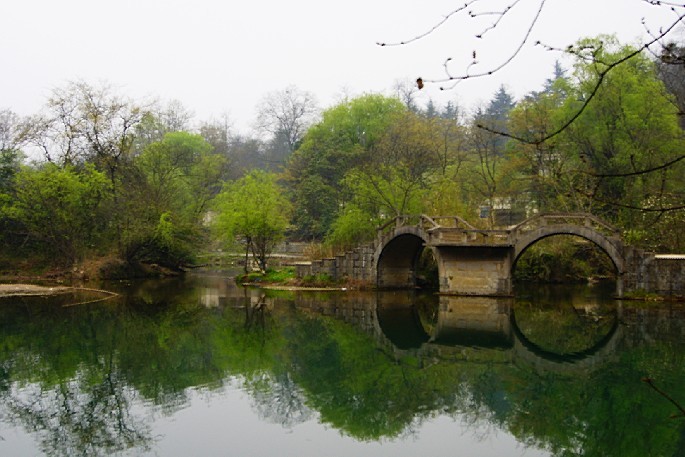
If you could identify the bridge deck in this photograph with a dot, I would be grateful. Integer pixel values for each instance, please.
(458, 237)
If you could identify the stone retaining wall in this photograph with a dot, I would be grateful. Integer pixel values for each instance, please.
(657, 274)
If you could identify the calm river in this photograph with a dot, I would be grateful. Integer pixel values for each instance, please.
(202, 367)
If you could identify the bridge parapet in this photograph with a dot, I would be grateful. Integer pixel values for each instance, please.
(420, 221)
(566, 219)
(446, 236)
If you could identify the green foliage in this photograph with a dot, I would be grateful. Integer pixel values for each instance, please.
(61, 207)
(270, 276)
(177, 176)
(368, 159)
(253, 208)
(611, 161)
(10, 164)
(167, 245)
(344, 137)
(353, 227)
(563, 259)
(318, 280)
(181, 173)
(394, 177)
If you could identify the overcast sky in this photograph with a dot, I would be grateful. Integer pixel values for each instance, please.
(222, 56)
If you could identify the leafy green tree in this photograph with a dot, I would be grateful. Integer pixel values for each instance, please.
(389, 181)
(83, 123)
(10, 154)
(179, 175)
(629, 140)
(159, 120)
(352, 227)
(413, 157)
(254, 209)
(489, 175)
(346, 135)
(11, 159)
(447, 191)
(61, 207)
(620, 158)
(546, 169)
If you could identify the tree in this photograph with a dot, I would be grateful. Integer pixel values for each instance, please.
(254, 209)
(548, 168)
(406, 91)
(286, 114)
(181, 171)
(489, 174)
(671, 68)
(345, 136)
(85, 123)
(620, 159)
(61, 207)
(629, 139)
(390, 180)
(492, 27)
(158, 120)
(166, 204)
(10, 154)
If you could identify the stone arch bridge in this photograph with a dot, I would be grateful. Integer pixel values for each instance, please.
(474, 261)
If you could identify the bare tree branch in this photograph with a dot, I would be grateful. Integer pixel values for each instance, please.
(449, 16)
(639, 172)
(600, 78)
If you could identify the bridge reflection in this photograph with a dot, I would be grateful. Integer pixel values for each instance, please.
(565, 335)
(454, 326)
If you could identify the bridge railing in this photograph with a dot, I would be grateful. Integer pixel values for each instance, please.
(451, 222)
(455, 230)
(551, 219)
(470, 237)
(424, 222)
(419, 220)
(444, 229)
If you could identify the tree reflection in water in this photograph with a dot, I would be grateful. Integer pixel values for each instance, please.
(562, 322)
(91, 380)
(87, 415)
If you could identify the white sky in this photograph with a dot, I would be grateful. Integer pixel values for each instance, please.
(222, 56)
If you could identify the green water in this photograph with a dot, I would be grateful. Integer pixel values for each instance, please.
(201, 367)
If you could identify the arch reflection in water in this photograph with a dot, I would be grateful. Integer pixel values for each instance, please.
(562, 332)
(589, 333)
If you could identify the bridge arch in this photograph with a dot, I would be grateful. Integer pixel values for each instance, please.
(473, 261)
(397, 256)
(612, 246)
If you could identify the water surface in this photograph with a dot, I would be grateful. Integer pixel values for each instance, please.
(201, 367)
